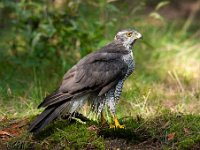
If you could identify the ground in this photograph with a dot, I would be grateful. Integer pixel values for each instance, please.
(166, 131)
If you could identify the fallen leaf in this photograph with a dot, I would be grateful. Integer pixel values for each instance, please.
(2, 133)
(170, 136)
(19, 124)
(186, 130)
(92, 128)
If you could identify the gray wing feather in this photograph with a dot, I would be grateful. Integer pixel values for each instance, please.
(94, 75)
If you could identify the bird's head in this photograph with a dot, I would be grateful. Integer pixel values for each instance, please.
(128, 37)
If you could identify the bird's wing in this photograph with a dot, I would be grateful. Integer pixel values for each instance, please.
(96, 72)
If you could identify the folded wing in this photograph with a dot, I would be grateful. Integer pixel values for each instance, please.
(97, 72)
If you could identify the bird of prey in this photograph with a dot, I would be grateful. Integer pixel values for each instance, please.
(97, 78)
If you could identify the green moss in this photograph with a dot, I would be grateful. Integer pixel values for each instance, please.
(185, 128)
(78, 136)
(62, 134)
(186, 143)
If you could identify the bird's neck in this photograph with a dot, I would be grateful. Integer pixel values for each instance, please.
(126, 44)
(128, 47)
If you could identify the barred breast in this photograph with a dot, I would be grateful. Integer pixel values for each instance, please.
(129, 59)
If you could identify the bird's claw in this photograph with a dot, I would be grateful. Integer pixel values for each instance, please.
(117, 126)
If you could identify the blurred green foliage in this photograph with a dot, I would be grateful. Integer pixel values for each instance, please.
(42, 31)
(40, 40)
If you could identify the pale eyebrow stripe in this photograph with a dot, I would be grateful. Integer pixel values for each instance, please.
(122, 32)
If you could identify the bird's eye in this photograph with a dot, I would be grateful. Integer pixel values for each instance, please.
(129, 34)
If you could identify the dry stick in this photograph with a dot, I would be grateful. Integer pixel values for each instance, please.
(178, 81)
(145, 99)
(175, 77)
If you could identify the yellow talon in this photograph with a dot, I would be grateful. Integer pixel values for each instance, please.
(117, 124)
(112, 126)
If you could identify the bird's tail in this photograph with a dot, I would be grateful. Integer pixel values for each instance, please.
(48, 115)
(62, 105)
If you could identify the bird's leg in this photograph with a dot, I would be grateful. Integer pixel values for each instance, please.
(115, 120)
(103, 118)
(111, 102)
(101, 111)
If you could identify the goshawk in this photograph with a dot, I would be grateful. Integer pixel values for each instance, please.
(97, 78)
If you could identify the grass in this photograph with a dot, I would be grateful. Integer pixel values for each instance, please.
(159, 106)
(165, 131)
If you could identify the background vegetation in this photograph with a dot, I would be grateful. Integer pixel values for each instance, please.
(160, 105)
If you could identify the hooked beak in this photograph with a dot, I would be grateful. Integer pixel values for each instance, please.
(138, 36)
